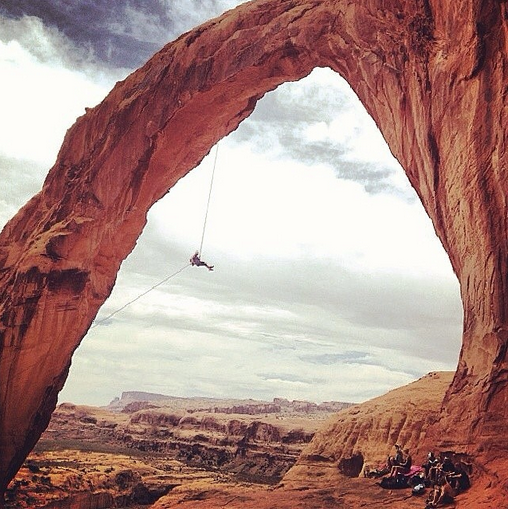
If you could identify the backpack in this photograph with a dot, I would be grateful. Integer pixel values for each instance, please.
(393, 483)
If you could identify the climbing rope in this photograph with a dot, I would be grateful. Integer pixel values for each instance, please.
(209, 198)
(98, 322)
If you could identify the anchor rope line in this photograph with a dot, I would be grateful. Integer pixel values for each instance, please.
(209, 198)
(98, 322)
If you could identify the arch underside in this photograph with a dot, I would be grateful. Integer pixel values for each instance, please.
(432, 80)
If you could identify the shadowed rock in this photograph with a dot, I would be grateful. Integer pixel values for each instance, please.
(431, 74)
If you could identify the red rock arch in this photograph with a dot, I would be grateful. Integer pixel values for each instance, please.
(433, 77)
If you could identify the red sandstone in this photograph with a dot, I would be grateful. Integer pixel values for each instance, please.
(432, 75)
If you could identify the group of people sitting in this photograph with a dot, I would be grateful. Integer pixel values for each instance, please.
(444, 478)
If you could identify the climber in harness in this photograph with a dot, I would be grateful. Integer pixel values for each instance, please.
(196, 261)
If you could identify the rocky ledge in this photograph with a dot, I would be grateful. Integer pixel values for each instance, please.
(329, 473)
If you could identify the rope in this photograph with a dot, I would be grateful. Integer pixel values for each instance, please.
(209, 198)
(98, 322)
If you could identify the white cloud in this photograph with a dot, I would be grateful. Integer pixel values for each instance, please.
(350, 127)
(39, 103)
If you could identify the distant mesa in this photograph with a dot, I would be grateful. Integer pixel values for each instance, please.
(132, 401)
(247, 439)
(219, 457)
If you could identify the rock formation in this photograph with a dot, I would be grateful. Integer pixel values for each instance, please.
(325, 474)
(432, 75)
(260, 447)
(364, 435)
(118, 466)
(133, 400)
(75, 479)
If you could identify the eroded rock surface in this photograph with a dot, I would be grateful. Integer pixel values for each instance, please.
(202, 433)
(91, 457)
(71, 478)
(326, 474)
(364, 435)
(433, 76)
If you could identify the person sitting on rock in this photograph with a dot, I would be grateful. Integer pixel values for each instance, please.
(403, 467)
(196, 261)
(396, 460)
(430, 467)
(442, 492)
(439, 469)
(455, 475)
(459, 479)
(447, 466)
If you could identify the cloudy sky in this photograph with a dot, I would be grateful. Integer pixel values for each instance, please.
(329, 281)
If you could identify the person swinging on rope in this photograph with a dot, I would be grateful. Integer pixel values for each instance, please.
(196, 261)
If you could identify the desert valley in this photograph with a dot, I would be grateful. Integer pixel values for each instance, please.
(144, 445)
(149, 450)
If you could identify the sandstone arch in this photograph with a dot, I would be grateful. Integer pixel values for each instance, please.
(433, 77)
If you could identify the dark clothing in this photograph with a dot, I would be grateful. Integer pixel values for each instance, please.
(399, 458)
(432, 461)
(447, 466)
(196, 261)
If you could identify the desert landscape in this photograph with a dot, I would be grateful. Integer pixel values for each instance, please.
(201, 452)
(432, 76)
(144, 445)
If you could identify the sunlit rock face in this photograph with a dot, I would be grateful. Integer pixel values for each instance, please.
(433, 76)
(363, 436)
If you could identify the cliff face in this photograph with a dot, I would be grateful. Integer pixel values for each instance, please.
(364, 435)
(258, 447)
(432, 75)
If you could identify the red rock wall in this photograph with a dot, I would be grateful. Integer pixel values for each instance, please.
(433, 76)
(371, 430)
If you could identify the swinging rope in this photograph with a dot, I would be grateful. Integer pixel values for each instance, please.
(139, 296)
(98, 322)
(209, 198)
